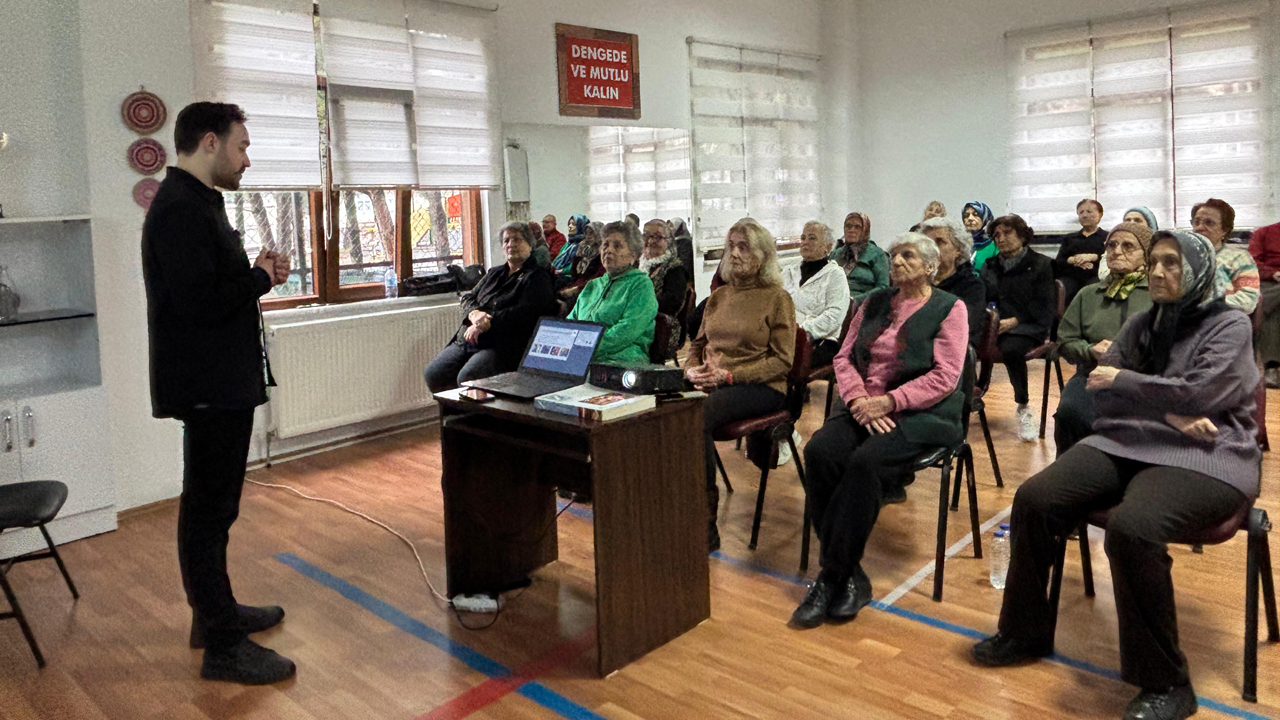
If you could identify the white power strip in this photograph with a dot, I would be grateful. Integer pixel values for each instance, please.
(475, 603)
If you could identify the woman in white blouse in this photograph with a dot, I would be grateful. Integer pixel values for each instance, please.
(820, 292)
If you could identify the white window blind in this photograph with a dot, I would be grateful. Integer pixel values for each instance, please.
(638, 170)
(755, 138)
(262, 57)
(1163, 110)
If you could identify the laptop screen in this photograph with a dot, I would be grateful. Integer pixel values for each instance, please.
(562, 346)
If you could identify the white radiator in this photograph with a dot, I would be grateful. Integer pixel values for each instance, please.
(338, 371)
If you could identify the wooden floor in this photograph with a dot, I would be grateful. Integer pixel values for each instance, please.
(371, 641)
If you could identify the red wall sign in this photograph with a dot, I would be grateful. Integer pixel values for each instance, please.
(598, 75)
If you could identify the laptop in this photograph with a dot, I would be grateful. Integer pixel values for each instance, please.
(557, 358)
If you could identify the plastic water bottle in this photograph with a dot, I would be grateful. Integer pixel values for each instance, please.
(391, 283)
(999, 560)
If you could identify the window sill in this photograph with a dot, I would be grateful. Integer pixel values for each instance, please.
(380, 306)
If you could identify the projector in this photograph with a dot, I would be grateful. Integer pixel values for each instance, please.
(638, 379)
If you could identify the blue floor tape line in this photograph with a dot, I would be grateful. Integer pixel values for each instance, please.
(471, 658)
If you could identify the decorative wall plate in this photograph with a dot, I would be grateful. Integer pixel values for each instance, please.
(147, 156)
(145, 191)
(143, 112)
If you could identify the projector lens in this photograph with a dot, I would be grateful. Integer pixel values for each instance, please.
(629, 379)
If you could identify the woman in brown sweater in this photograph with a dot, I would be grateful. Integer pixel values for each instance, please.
(744, 349)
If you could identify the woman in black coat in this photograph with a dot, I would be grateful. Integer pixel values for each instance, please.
(502, 312)
(955, 272)
(1020, 281)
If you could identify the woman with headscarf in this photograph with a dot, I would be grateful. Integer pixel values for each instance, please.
(586, 265)
(1174, 452)
(682, 241)
(541, 249)
(1092, 321)
(976, 216)
(1141, 215)
(563, 261)
(865, 265)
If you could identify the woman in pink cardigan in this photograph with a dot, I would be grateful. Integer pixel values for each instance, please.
(898, 373)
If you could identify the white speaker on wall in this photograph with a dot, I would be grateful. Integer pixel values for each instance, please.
(515, 162)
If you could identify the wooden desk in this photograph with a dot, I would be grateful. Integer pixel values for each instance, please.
(502, 463)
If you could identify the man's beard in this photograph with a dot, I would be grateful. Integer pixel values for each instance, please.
(224, 177)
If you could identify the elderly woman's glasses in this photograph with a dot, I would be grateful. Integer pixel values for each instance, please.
(1121, 247)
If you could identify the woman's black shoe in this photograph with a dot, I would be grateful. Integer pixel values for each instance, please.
(1000, 650)
(813, 609)
(1172, 704)
(852, 595)
(247, 663)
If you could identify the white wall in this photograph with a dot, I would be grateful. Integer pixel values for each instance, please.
(557, 168)
(934, 103)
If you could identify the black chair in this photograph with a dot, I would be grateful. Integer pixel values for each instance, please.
(1048, 351)
(31, 505)
(988, 356)
(1251, 519)
(828, 372)
(660, 348)
(780, 425)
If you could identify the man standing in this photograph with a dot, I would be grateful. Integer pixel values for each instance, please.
(555, 238)
(209, 370)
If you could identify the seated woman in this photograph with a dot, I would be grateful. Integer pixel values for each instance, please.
(501, 313)
(665, 268)
(1141, 215)
(1237, 272)
(564, 259)
(682, 240)
(541, 248)
(864, 263)
(744, 349)
(820, 293)
(898, 374)
(622, 300)
(586, 265)
(976, 217)
(1020, 281)
(1092, 321)
(1165, 475)
(955, 272)
(1080, 252)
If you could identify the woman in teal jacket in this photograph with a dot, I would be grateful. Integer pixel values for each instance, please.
(865, 265)
(622, 300)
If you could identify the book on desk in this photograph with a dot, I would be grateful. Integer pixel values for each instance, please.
(592, 403)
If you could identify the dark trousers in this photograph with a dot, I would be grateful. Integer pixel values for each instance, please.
(1073, 421)
(723, 406)
(846, 468)
(458, 363)
(824, 351)
(1014, 349)
(215, 450)
(1151, 505)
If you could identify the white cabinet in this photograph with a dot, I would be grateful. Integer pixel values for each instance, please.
(59, 437)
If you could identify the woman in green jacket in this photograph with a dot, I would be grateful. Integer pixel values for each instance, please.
(865, 265)
(622, 300)
(1092, 321)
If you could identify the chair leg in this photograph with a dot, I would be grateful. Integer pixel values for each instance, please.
(737, 445)
(1044, 397)
(723, 474)
(804, 538)
(16, 614)
(755, 524)
(991, 448)
(1086, 560)
(831, 389)
(1055, 581)
(1258, 519)
(940, 555)
(1057, 366)
(966, 467)
(58, 559)
(1252, 576)
(955, 495)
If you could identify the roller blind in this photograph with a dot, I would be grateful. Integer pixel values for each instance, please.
(638, 170)
(1162, 110)
(755, 134)
(262, 58)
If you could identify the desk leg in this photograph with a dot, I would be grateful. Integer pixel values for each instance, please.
(652, 574)
(499, 513)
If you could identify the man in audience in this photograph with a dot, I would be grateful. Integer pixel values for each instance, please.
(555, 238)
(1264, 246)
(501, 314)
(209, 370)
(622, 300)
(1173, 452)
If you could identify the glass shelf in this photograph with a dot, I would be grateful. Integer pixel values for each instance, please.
(44, 316)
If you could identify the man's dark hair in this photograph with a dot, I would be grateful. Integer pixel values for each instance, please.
(199, 119)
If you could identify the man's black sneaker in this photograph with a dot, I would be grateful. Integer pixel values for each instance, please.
(247, 663)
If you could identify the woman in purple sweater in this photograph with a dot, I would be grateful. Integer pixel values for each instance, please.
(1164, 474)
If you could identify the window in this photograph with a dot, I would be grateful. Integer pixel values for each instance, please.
(371, 136)
(755, 135)
(1163, 110)
(638, 170)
